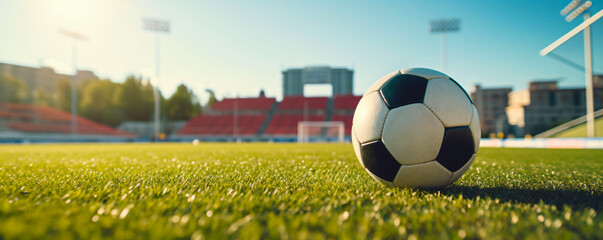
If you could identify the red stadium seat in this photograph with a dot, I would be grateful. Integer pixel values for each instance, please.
(286, 124)
(253, 112)
(346, 102)
(260, 103)
(347, 122)
(222, 125)
(38, 119)
(301, 102)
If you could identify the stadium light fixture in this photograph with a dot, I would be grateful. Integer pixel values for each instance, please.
(74, 38)
(588, 66)
(444, 26)
(157, 26)
(567, 9)
(578, 11)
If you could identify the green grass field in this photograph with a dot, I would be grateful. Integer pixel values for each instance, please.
(259, 191)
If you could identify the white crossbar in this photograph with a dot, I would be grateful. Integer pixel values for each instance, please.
(571, 33)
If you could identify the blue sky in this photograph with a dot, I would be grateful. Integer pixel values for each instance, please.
(240, 47)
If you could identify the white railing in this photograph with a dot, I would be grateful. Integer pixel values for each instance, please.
(566, 143)
(567, 125)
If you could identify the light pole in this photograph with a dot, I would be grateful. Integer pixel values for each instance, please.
(443, 26)
(74, 37)
(588, 70)
(235, 122)
(157, 26)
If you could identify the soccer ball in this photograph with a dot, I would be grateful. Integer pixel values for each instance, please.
(416, 128)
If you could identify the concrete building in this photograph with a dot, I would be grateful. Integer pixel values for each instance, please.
(491, 104)
(341, 79)
(543, 105)
(43, 77)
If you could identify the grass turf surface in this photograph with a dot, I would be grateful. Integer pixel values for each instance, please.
(251, 191)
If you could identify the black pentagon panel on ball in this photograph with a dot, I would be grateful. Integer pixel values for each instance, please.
(379, 161)
(466, 94)
(457, 148)
(403, 89)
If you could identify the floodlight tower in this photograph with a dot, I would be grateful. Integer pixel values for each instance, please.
(74, 38)
(443, 26)
(588, 68)
(157, 26)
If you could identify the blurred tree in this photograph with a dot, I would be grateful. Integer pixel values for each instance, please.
(149, 95)
(63, 94)
(183, 104)
(262, 93)
(42, 98)
(197, 108)
(163, 105)
(13, 89)
(135, 99)
(97, 103)
(212, 98)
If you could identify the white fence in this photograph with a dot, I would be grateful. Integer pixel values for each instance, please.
(580, 143)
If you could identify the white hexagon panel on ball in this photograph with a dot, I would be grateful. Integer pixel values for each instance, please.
(412, 134)
(448, 102)
(369, 117)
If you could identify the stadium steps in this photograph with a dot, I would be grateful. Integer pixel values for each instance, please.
(266, 123)
(329, 110)
(553, 132)
(328, 115)
(3, 128)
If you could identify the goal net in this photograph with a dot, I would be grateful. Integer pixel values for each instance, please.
(320, 131)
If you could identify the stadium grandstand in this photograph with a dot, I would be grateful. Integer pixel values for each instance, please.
(25, 122)
(257, 119)
(343, 110)
(294, 109)
(230, 117)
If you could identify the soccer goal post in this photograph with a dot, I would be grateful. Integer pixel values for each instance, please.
(320, 131)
